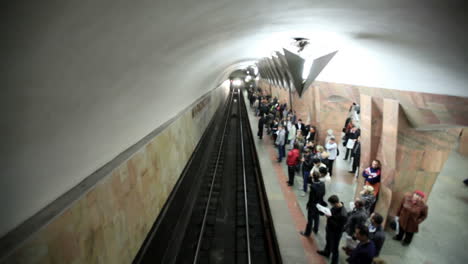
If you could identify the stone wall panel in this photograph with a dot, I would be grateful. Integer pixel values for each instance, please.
(411, 133)
(109, 223)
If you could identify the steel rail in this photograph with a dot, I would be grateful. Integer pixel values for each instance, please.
(200, 236)
(249, 257)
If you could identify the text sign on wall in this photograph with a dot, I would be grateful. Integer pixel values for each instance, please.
(200, 106)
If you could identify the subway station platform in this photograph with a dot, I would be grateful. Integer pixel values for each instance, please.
(441, 237)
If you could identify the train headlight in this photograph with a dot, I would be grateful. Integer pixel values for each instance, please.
(237, 82)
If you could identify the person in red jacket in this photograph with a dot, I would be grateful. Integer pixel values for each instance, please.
(292, 161)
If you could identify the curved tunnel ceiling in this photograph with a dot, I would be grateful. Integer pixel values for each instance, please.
(84, 80)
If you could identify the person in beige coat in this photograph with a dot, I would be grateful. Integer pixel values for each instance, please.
(413, 211)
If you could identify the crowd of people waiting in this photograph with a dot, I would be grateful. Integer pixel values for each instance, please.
(361, 225)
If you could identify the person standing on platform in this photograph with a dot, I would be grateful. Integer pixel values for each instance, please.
(321, 154)
(274, 129)
(293, 116)
(356, 155)
(332, 149)
(334, 229)
(292, 161)
(358, 216)
(376, 232)
(280, 142)
(351, 137)
(261, 125)
(372, 176)
(307, 165)
(317, 164)
(364, 253)
(256, 105)
(413, 211)
(317, 191)
(310, 136)
(291, 133)
(300, 126)
(368, 197)
(300, 140)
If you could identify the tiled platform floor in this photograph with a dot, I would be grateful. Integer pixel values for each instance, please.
(440, 240)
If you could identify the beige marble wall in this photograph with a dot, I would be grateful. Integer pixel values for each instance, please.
(110, 222)
(463, 146)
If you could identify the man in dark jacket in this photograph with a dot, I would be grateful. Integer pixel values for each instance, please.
(334, 229)
(364, 253)
(300, 126)
(261, 125)
(317, 191)
(263, 109)
(376, 232)
(358, 216)
(356, 154)
(307, 165)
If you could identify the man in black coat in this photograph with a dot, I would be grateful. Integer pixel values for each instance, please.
(356, 154)
(358, 216)
(376, 232)
(334, 229)
(317, 191)
(261, 125)
(364, 253)
(300, 126)
(263, 109)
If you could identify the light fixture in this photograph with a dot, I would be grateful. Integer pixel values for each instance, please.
(237, 82)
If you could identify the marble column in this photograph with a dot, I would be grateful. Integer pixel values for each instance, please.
(366, 138)
(387, 154)
(421, 156)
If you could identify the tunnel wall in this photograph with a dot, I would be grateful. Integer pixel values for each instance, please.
(109, 223)
(411, 133)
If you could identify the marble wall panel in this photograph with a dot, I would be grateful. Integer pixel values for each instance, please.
(411, 133)
(367, 141)
(421, 156)
(109, 223)
(376, 126)
(387, 154)
(463, 145)
(304, 106)
(371, 124)
(426, 110)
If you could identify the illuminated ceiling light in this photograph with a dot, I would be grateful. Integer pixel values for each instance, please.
(237, 82)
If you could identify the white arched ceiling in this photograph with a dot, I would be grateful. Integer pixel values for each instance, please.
(84, 80)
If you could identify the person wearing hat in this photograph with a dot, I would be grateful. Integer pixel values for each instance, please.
(413, 211)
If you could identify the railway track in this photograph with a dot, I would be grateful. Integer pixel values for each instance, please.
(229, 220)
